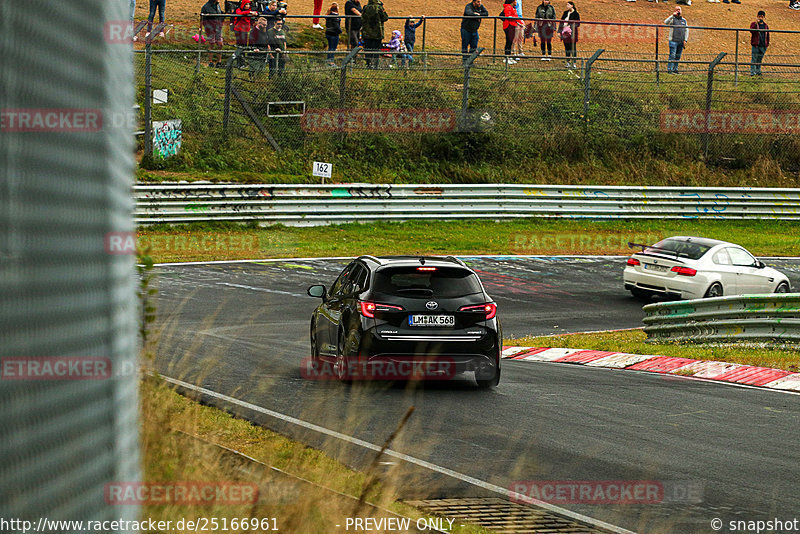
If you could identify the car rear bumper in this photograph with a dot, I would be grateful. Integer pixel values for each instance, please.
(455, 353)
(681, 287)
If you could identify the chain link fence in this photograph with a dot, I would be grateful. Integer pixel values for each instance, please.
(713, 108)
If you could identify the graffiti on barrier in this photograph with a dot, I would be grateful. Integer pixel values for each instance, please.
(167, 137)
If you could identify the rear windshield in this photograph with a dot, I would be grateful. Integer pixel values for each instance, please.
(681, 249)
(412, 282)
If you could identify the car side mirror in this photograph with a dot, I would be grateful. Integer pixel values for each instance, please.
(317, 291)
(760, 264)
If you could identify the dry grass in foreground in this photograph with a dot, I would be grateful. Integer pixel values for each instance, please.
(181, 442)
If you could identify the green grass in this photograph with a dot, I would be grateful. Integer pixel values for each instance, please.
(633, 342)
(205, 242)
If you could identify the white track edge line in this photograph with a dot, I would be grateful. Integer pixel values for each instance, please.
(405, 457)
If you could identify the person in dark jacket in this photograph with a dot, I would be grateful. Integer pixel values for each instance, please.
(568, 32)
(212, 21)
(276, 40)
(333, 28)
(546, 29)
(678, 36)
(410, 35)
(372, 18)
(470, 25)
(759, 40)
(352, 22)
(272, 13)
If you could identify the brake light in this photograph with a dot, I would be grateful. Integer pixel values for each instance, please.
(426, 268)
(633, 261)
(685, 271)
(368, 309)
(490, 309)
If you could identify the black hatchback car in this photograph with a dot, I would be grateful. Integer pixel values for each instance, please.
(416, 317)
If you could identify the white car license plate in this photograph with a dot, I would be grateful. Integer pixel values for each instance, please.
(432, 320)
(654, 267)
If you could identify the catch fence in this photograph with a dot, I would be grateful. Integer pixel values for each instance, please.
(608, 100)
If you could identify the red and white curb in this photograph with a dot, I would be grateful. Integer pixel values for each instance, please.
(709, 370)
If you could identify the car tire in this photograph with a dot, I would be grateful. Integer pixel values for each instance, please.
(490, 383)
(641, 294)
(714, 290)
(341, 361)
(783, 287)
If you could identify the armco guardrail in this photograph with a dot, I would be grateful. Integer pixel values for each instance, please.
(773, 317)
(331, 203)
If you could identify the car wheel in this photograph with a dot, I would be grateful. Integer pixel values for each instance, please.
(490, 383)
(641, 294)
(341, 361)
(783, 287)
(714, 291)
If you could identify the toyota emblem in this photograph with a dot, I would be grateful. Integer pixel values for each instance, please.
(431, 305)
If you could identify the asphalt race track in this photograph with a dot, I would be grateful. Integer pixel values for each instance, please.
(241, 329)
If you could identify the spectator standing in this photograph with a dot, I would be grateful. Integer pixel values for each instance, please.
(352, 22)
(546, 29)
(211, 16)
(241, 26)
(568, 32)
(510, 22)
(410, 36)
(333, 28)
(161, 5)
(519, 37)
(259, 37)
(276, 40)
(317, 10)
(759, 40)
(273, 13)
(395, 44)
(470, 26)
(678, 36)
(372, 18)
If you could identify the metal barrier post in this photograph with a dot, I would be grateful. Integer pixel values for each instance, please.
(709, 91)
(658, 70)
(148, 97)
(587, 77)
(424, 29)
(494, 39)
(736, 62)
(226, 113)
(343, 75)
(465, 92)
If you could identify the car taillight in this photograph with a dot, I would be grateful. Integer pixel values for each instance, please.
(685, 271)
(633, 261)
(490, 309)
(368, 309)
(427, 269)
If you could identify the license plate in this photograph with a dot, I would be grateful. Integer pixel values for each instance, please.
(653, 267)
(431, 320)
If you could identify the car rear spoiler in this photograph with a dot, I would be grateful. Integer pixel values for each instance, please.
(659, 251)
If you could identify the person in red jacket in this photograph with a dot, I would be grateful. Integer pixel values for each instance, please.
(510, 23)
(241, 26)
(759, 40)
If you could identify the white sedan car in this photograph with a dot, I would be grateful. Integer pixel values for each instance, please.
(695, 267)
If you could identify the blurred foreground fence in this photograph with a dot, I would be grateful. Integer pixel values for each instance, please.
(610, 100)
(722, 319)
(325, 204)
